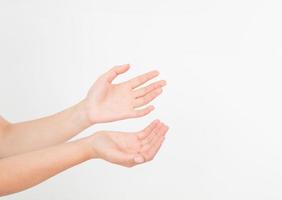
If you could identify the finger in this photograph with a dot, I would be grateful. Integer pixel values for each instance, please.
(154, 150)
(159, 133)
(150, 140)
(122, 158)
(146, 131)
(145, 90)
(115, 71)
(140, 80)
(142, 101)
(156, 144)
(143, 112)
(152, 134)
(138, 159)
(131, 160)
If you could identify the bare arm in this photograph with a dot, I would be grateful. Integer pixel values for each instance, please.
(105, 102)
(26, 170)
(20, 172)
(36, 134)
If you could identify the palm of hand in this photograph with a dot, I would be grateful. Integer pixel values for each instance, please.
(108, 102)
(129, 149)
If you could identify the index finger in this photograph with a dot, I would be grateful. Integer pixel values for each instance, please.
(115, 71)
(141, 79)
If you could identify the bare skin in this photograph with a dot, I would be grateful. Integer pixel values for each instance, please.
(34, 151)
(23, 171)
(129, 149)
(105, 102)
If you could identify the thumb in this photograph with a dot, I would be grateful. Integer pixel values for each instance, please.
(138, 159)
(115, 71)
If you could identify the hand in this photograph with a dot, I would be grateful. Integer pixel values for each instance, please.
(128, 149)
(108, 102)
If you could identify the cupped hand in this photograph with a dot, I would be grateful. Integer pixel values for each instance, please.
(107, 102)
(129, 149)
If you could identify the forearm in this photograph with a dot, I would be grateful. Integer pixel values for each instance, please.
(26, 170)
(33, 135)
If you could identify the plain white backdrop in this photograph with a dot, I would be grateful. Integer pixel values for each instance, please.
(223, 63)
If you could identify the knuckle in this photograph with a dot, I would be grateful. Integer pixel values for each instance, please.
(155, 86)
(149, 98)
(143, 78)
(144, 142)
(142, 100)
(146, 146)
(138, 114)
(142, 113)
(157, 92)
(145, 99)
(146, 90)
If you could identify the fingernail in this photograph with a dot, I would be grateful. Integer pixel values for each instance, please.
(139, 159)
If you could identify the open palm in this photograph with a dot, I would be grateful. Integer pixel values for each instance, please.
(108, 102)
(129, 149)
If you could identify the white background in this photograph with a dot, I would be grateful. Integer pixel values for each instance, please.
(222, 60)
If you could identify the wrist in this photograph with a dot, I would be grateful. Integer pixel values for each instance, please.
(82, 114)
(89, 143)
(90, 111)
(87, 148)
